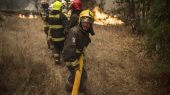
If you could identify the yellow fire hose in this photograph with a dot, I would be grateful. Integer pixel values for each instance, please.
(78, 77)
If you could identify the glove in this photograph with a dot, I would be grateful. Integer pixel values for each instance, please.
(75, 65)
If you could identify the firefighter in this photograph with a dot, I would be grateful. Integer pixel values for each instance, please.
(76, 8)
(57, 23)
(44, 14)
(77, 40)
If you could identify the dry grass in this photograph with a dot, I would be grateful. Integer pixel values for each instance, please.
(116, 63)
(26, 65)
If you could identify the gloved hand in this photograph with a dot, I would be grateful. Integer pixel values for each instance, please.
(92, 33)
(89, 40)
(76, 67)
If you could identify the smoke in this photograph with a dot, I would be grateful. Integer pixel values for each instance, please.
(106, 5)
(13, 4)
(34, 5)
(19, 5)
(31, 6)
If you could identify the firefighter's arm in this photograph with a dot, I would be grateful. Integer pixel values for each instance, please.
(64, 23)
(92, 31)
(73, 20)
(64, 20)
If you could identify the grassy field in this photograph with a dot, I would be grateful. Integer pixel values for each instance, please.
(115, 61)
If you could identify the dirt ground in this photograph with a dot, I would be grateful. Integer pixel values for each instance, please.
(115, 62)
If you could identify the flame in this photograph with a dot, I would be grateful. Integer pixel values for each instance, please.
(29, 17)
(23, 16)
(35, 16)
(105, 19)
(20, 16)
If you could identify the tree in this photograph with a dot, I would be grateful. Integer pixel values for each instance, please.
(133, 13)
(158, 33)
(150, 17)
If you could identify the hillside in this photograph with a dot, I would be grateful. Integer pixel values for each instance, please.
(115, 62)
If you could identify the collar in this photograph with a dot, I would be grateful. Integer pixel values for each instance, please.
(83, 31)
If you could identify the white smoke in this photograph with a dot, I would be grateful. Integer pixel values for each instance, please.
(108, 5)
(31, 6)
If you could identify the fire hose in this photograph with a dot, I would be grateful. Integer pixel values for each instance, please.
(78, 77)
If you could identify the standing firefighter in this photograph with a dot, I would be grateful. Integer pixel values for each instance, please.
(44, 14)
(76, 8)
(76, 42)
(57, 23)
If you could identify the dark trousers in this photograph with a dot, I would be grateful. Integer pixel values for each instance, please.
(57, 48)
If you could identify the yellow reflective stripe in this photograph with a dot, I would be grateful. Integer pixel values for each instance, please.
(77, 51)
(54, 16)
(58, 39)
(45, 25)
(48, 36)
(55, 26)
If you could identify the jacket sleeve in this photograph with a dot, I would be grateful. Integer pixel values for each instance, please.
(73, 20)
(64, 20)
(69, 51)
(92, 31)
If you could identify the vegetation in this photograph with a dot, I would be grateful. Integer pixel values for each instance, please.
(150, 17)
(116, 63)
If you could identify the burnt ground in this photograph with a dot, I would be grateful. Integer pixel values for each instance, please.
(115, 61)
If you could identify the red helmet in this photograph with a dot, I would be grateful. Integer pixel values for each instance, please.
(76, 5)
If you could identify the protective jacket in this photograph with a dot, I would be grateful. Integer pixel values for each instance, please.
(57, 22)
(76, 8)
(77, 40)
